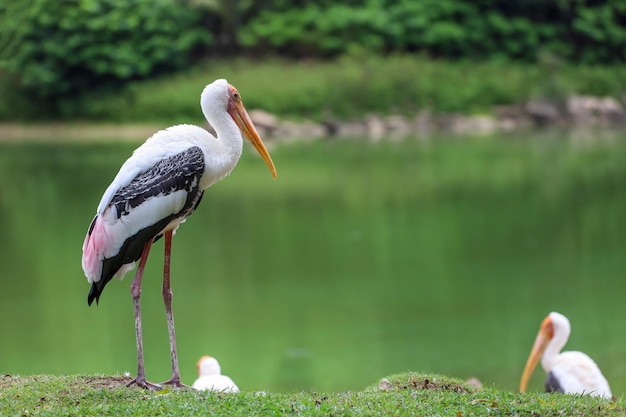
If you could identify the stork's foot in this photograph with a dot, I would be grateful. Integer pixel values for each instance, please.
(141, 382)
(175, 383)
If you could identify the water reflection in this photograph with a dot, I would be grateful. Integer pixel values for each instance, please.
(359, 262)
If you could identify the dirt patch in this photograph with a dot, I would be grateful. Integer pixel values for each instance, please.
(8, 380)
(96, 381)
(117, 381)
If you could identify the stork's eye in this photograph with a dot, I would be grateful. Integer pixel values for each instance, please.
(236, 96)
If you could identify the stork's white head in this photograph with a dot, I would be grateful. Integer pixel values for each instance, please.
(208, 365)
(560, 324)
(214, 99)
(219, 100)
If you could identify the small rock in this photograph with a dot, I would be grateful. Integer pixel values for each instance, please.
(398, 126)
(423, 123)
(474, 382)
(304, 130)
(384, 385)
(375, 127)
(542, 112)
(354, 129)
(263, 119)
(265, 122)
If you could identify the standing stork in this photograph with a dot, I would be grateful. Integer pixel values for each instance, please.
(155, 190)
(568, 372)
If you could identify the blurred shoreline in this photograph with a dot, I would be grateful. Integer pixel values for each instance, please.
(581, 115)
(75, 132)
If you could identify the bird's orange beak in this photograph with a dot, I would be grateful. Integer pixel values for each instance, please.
(546, 332)
(239, 114)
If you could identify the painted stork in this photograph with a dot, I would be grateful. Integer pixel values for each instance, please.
(155, 190)
(210, 377)
(568, 372)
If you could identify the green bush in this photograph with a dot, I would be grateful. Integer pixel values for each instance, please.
(590, 32)
(61, 49)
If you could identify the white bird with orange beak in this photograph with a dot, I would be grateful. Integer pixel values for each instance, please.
(210, 377)
(568, 372)
(155, 190)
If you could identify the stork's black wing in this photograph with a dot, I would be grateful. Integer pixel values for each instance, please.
(175, 173)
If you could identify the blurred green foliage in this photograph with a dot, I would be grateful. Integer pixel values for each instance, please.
(60, 58)
(59, 49)
(584, 31)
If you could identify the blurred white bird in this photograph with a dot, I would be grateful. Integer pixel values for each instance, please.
(568, 372)
(210, 377)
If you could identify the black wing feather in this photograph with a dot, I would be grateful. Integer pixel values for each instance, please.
(552, 384)
(178, 172)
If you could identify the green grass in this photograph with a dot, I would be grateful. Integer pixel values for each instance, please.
(408, 394)
(350, 87)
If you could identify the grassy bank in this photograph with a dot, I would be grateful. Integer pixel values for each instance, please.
(345, 88)
(407, 394)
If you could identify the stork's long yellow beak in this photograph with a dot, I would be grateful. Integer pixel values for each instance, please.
(239, 114)
(546, 331)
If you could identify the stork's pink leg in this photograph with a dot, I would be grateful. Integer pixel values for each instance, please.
(167, 299)
(135, 290)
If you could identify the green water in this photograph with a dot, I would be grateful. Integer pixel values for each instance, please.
(359, 262)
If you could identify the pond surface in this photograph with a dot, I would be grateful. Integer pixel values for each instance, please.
(359, 262)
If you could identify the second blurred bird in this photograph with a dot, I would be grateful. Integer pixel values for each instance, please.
(210, 377)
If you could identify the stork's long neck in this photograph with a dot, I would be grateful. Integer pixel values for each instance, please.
(554, 349)
(226, 150)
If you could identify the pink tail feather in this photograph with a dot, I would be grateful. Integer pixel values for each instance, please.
(94, 247)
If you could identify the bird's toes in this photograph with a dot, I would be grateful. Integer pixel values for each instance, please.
(145, 384)
(175, 383)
